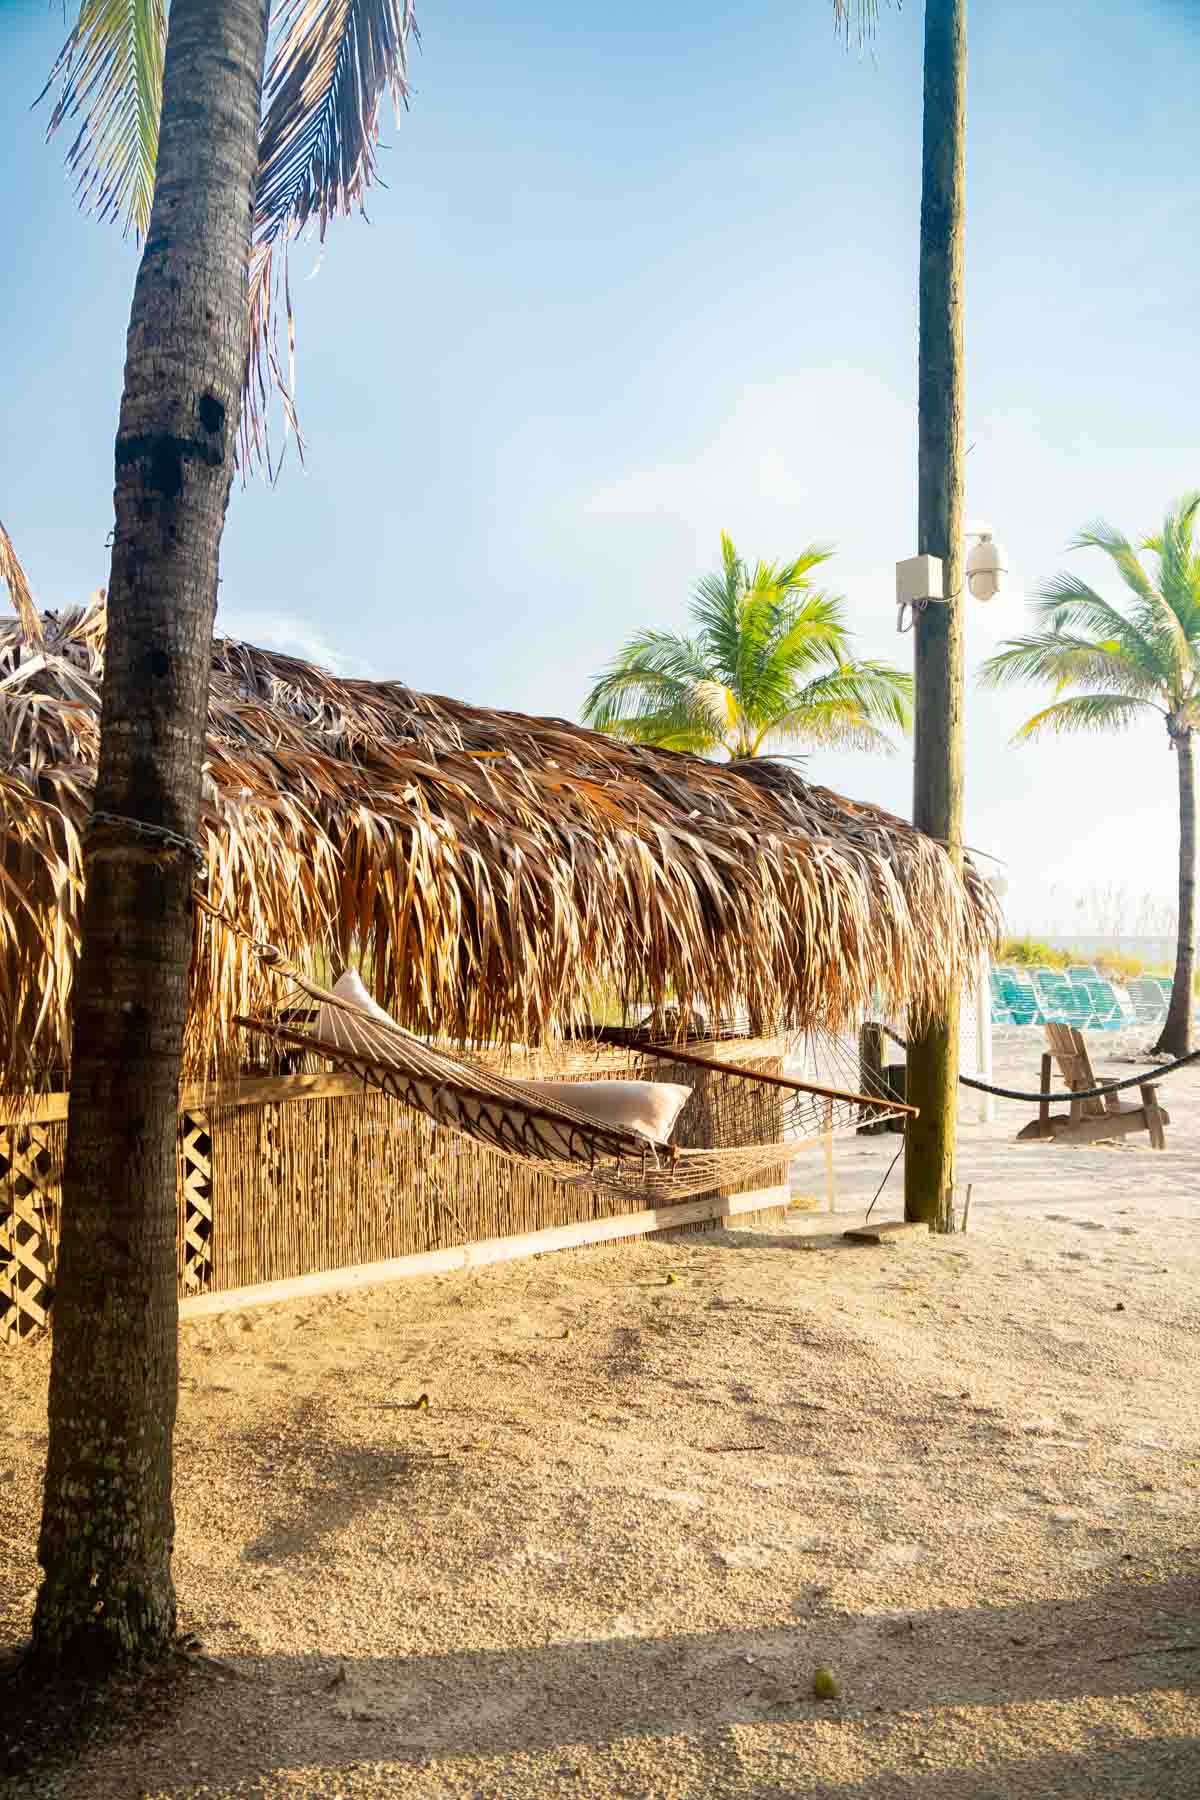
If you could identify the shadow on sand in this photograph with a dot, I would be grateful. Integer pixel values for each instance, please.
(984, 1680)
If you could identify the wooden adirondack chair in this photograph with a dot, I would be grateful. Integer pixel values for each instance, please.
(1090, 1121)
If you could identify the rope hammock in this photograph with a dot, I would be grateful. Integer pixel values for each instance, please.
(563, 1139)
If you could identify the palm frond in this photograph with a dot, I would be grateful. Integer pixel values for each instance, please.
(825, 724)
(1180, 525)
(716, 610)
(806, 636)
(660, 688)
(857, 19)
(111, 70)
(759, 616)
(1085, 712)
(654, 655)
(1067, 661)
(1179, 566)
(884, 693)
(714, 701)
(1116, 546)
(795, 574)
(13, 577)
(1156, 619)
(333, 60)
(1070, 605)
(743, 615)
(332, 63)
(1142, 655)
(847, 706)
(808, 633)
(669, 728)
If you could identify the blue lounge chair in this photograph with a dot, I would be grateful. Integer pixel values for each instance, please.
(1107, 1011)
(1149, 1001)
(1059, 1000)
(1022, 1000)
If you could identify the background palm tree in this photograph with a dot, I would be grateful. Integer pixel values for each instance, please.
(178, 133)
(1130, 662)
(768, 665)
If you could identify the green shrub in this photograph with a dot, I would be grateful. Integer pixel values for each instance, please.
(1117, 966)
(1114, 964)
(1031, 952)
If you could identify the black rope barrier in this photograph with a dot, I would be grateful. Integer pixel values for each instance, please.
(1154, 1072)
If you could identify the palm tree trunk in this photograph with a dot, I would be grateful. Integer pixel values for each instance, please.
(937, 749)
(1176, 1037)
(107, 1524)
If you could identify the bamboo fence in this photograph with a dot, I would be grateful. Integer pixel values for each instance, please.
(290, 1175)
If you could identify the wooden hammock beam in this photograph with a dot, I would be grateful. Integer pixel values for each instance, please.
(779, 1081)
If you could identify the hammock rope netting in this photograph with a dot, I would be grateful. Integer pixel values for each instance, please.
(774, 1118)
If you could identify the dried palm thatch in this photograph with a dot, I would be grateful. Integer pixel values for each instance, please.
(14, 579)
(492, 871)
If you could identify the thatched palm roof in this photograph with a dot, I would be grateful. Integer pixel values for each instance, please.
(495, 870)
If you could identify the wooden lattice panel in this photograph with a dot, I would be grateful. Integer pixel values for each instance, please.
(194, 1191)
(30, 1186)
(290, 1175)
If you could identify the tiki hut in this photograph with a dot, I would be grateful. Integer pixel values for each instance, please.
(495, 875)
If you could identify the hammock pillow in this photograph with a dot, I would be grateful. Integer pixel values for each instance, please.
(334, 1026)
(647, 1108)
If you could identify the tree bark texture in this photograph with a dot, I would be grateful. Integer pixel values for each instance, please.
(107, 1595)
(1176, 1037)
(938, 637)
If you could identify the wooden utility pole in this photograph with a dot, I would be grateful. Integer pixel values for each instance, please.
(937, 748)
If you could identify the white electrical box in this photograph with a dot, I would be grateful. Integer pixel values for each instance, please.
(919, 579)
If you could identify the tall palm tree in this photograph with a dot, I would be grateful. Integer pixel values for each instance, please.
(1130, 662)
(174, 139)
(768, 665)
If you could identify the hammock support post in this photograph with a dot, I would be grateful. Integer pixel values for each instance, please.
(871, 1076)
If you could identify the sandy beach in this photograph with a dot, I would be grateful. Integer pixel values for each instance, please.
(655, 1486)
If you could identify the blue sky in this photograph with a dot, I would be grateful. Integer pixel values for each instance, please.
(640, 273)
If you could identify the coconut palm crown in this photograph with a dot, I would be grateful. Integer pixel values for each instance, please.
(768, 664)
(331, 63)
(1111, 666)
